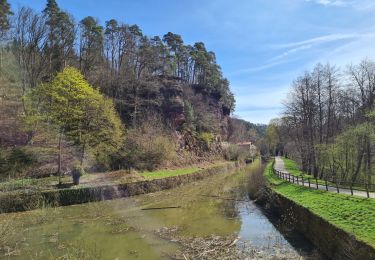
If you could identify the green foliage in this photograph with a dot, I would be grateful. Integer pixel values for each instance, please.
(144, 151)
(79, 112)
(5, 13)
(17, 162)
(353, 214)
(206, 139)
(272, 138)
(189, 115)
(60, 28)
(345, 157)
(292, 167)
(231, 152)
(3, 161)
(91, 42)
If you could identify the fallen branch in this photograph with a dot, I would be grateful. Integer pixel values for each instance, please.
(234, 241)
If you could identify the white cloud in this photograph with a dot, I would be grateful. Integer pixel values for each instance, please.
(318, 40)
(329, 2)
(310, 43)
(360, 5)
(291, 51)
(351, 52)
(255, 69)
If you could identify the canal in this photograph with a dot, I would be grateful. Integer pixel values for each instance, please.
(202, 220)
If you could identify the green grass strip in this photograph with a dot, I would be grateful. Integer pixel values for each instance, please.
(353, 214)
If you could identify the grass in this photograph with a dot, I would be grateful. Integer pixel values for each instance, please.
(94, 179)
(293, 168)
(170, 173)
(28, 183)
(353, 214)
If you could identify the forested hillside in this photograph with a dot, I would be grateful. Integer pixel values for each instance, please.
(171, 98)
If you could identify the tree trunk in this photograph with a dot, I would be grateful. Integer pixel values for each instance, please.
(83, 153)
(59, 158)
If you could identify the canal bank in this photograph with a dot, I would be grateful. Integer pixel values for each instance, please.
(29, 200)
(212, 218)
(301, 206)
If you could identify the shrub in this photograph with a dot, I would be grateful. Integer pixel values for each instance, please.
(231, 152)
(234, 153)
(143, 151)
(17, 163)
(206, 139)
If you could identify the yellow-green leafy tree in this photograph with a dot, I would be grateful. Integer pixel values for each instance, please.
(80, 113)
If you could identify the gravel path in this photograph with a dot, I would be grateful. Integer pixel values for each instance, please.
(279, 166)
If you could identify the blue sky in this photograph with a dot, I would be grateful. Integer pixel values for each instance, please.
(261, 45)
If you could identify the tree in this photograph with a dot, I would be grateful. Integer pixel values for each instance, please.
(30, 42)
(175, 46)
(328, 122)
(61, 36)
(91, 46)
(272, 137)
(5, 13)
(79, 112)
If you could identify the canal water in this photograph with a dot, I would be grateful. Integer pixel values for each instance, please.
(134, 228)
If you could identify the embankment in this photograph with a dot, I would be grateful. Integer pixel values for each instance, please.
(330, 239)
(29, 200)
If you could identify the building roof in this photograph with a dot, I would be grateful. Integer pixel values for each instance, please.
(245, 143)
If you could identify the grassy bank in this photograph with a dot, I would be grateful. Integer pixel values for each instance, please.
(98, 179)
(176, 172)
(27, 200)
(352, 214)
(293, 168)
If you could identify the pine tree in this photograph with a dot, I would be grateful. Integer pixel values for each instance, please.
(5, 12)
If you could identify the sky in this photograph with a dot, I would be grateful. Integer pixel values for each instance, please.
(261, 45)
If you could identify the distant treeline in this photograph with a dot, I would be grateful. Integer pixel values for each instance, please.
(328, 122)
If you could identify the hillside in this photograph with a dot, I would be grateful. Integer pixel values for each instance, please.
(172, 99)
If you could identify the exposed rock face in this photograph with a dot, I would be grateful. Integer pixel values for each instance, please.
(212, 115)
(173, 103)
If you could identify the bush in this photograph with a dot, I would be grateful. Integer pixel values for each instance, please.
(17, 163)
(206, 139)
(154, 153)
(234, 153)
(77, 172)
(3, 161)
(143, 151)
(231, 152)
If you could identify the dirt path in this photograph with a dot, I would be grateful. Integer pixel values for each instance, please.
(279, 166)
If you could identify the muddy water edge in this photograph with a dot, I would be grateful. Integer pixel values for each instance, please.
(211, 218)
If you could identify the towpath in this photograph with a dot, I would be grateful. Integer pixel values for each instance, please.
(279, 166)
